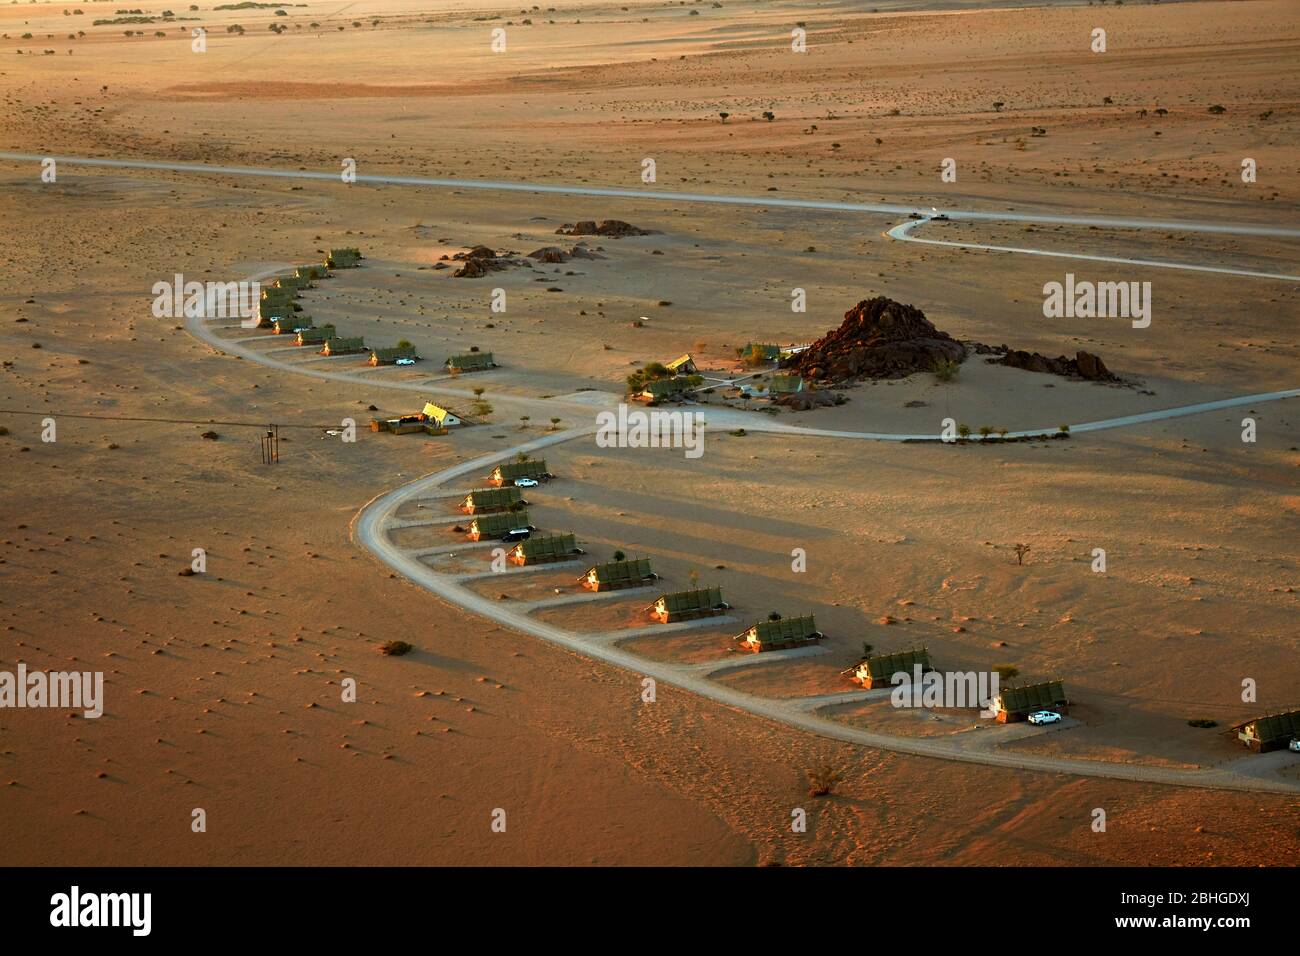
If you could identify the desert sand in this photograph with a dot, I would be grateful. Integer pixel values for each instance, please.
(223, 690)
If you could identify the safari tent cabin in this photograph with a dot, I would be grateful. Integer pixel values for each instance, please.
(315, 335)
(471, 362)
(687, 605)
(685, 365)
(507, 472)
(618, 574)
(294, 282)
(1017, 703)
(389, 356)
(439, 416)
(553, 547)
(311, 272)
(662, 389)
(287, 325)
(878, 670)
(1270, 732)
(343, 346)
(493, 526)
(402, 425)
(779, 635)
(491, 499)
(348, 258)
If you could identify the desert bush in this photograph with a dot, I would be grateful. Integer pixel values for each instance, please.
(823, 780)
(396, 649)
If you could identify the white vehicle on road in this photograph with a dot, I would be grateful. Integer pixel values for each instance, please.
(1294, 744)
(1044, 717)
(525, 482)
(404, 361)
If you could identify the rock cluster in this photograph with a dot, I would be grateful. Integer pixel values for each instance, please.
(1084, 365)
(614, 228)
(879, 338)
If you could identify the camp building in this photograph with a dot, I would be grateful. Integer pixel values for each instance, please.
(287, 325)
(439, 416)
(493, 526)
(686, 605)
(315, 335)
(1017, 703)
(294, 282)
(618, 574)
(506, 473)
(311, 272)
(402, 425)
(1270, 732)
(348, 258)
(471, 362)
(542, 550)
(662, 388)
(491, 499)
(685, 365)
(338, 345)
(389, 356)
(780, 634)
(878, 670)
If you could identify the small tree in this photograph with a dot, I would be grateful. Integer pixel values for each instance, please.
(619, 556)
(963, 430)
(1021, 550)
(997, 107)
(1006, 671)
(866, 650)
(774, 616)
(724, 116)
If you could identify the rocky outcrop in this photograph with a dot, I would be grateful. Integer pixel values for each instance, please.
(1084, 365)
(810, 398)
(614, 228)
(556, 254)
(481, 260)
(879, 338)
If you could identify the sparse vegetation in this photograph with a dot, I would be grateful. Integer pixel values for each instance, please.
(396, 648)
(823, 780)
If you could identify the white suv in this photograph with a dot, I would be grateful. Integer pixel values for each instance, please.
(1044, 717)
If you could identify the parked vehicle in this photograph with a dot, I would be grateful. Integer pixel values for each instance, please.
(525, 482)
(1044, 717)
(404, 361)
(518, 534)
(1294, 744)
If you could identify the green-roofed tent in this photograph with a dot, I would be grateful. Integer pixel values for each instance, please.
(684, 605)
(389, 356)
(539, 550)
(618, 574)
(292, 282)
(662, 388)
(1016, 703)
(291, 323)
(471, 362)
(778, 635)
(312, 272)
(338, 345)
(317, 334)
(507, 472)
(495, 525)
(1270, 732)
(879, 669)
(343, 258)
(491, 499)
